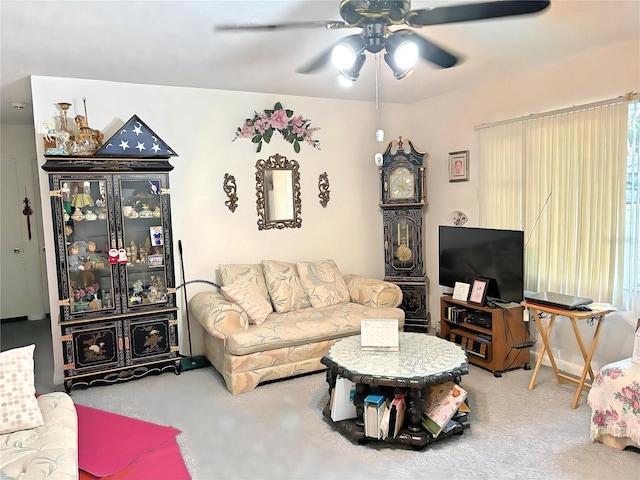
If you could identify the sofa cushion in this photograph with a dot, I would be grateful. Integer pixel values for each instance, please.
(249, 298)
(250, 273)
(307, 325)
(323, 283)
(20, 409)
(284, 286)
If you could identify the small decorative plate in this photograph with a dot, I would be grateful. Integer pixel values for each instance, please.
(457, 218)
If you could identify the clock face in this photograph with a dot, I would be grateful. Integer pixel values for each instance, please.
(401, 183)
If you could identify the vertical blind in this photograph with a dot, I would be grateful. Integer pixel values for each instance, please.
(561, 178)
(632, 233)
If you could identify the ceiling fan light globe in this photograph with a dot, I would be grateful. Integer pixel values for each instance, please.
(345, 81)
(406, 55)
(353, 72)
(398, 72)
(343, 57)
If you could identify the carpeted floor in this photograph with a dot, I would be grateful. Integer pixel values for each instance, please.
(278, 431)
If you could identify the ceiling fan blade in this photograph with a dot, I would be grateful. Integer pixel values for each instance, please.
(429, 50)
(322, 59)
(473, 11)
(329, 25)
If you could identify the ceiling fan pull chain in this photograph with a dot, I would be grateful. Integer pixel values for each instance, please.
(379, 131)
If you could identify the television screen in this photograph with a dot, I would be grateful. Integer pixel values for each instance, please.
(467, 253)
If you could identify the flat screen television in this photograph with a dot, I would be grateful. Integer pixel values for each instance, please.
(498, 255)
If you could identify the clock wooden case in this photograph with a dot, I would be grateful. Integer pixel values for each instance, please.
(402, 180)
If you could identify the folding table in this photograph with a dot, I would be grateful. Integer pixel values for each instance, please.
(573, 316)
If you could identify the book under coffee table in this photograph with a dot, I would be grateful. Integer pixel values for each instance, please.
(421, 362)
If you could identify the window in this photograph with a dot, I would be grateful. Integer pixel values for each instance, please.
(569, 179)
(631, 283)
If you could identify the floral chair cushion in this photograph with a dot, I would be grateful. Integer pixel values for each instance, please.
(248, 273)
(614, 399)
(284, 285)
(323, 283)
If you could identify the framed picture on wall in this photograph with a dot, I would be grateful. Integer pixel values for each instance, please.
(459, 166)
(478, 293)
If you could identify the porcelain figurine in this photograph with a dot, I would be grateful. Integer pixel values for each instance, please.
(145, 212)
(78, 216)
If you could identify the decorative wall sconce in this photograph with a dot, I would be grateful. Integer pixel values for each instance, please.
(229, 187)
(323, 186)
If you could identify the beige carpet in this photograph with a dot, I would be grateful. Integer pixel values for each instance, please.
(278, 431)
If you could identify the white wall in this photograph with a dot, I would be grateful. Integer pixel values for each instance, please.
(446, 124)
(199, 125)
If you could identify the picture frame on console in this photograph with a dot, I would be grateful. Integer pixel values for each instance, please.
(461, 291)
(459, 166)
(478, 293)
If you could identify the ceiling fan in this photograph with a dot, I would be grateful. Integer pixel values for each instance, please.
(403, 46)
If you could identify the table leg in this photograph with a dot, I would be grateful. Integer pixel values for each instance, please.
(362, 390)
(414, 409)
(545, 348)
(587, 363)
(583, 350)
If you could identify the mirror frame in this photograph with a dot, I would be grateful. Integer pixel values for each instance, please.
(278, 162)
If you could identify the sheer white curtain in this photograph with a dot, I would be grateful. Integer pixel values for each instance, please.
(561, 178)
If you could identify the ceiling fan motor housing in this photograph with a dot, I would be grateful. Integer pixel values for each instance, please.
(374, 34)
(354, 12)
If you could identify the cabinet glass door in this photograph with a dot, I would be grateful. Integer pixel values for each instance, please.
(144, 209)
(85, 228)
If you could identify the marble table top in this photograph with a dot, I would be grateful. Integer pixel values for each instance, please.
(422, 359)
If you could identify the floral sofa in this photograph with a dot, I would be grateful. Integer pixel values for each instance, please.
(38, 436)
(277, 319)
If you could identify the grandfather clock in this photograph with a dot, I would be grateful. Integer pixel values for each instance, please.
(402, 180)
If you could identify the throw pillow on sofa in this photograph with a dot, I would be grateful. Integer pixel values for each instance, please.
(249, 299)
(20, 410)
(247, 273)
(323, 283)
(284, 285)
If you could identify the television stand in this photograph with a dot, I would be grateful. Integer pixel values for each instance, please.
(496, 339)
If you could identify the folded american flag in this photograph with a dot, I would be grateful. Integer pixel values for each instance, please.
(136, 139)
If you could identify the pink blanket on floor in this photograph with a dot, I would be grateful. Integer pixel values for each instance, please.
(115, 446)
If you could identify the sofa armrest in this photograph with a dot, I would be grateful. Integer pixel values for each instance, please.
(217, 315)
(372, 292)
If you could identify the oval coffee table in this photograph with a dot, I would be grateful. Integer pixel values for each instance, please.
(421, 361)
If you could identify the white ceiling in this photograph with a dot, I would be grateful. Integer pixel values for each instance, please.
(174, 43)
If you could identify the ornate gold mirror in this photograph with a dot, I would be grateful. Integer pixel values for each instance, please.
(278, 193)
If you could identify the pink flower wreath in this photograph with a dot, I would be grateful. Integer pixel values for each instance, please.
(261, 127)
